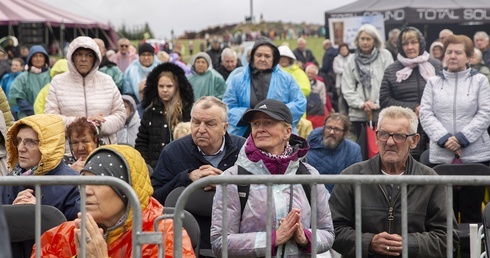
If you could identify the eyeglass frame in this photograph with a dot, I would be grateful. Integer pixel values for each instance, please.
(335, 129)
(392, 135)
(28, 142)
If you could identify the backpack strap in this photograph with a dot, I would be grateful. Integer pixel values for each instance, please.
(303, 170)
(243, 190)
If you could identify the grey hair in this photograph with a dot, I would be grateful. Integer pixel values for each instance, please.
(394, 112)
(448, 31)
(301, 39)
(371, 31)
(480, 35)
(228, 52)
(393, 33)
(312, 67)
(207, 102)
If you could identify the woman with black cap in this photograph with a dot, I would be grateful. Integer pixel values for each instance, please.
(271, 149)
(404, 80)
(109, 216)
(167, 100)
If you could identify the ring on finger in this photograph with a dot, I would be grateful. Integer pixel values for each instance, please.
(88, 239)
(387, 248)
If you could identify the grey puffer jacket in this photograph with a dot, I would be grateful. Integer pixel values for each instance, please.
(456, 104)
(427, 208)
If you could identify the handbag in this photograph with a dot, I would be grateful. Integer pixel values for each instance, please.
(372, 147)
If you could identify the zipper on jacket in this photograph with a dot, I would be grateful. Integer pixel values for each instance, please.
(85, 98)
(390, 217)
(454, 103)
(418, 89)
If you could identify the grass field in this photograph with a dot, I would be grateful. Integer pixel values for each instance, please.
(315, 44)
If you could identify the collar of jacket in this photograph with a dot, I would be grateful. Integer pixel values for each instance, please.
(373, 166)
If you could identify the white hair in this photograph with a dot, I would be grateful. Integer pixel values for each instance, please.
(394, 112)
(480, 35)
(371, 31)
(393, 33)
(228, 52)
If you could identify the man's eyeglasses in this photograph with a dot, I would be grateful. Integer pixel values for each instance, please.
(335, 129)
(397, 137)
(123, 45)
(28, 142)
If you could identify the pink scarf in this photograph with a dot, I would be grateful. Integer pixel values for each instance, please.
(426, 69)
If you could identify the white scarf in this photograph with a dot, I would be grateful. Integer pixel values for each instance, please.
(426, 69)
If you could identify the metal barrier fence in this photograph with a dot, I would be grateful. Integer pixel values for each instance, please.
(356, 180)
(140, 238)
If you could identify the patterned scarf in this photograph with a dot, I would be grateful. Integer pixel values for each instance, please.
(18, 171)
(363, 65)
(276, 164)
(426, 69)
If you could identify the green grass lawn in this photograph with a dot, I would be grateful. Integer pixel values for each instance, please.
(315, 44)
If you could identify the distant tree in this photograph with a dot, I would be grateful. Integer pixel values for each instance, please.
(136, 32)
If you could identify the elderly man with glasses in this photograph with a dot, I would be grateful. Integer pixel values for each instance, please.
(125, 55)
(330, 152)
(381, 204)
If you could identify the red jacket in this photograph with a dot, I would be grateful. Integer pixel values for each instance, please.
(60, 241)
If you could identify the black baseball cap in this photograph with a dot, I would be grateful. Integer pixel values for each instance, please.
(271, 107)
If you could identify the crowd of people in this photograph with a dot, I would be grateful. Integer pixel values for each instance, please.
(150, 119)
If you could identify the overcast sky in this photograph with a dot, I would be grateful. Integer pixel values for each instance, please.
(195, 15)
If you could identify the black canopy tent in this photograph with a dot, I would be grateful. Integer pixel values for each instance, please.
(430, 17)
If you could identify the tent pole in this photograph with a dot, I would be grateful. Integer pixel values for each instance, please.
(107, 37)
(11, 30)
(62, 39)
(46, 35)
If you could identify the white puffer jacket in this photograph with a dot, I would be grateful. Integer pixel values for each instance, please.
(72, 96)
(457, 104)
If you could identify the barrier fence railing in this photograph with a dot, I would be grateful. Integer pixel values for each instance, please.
(356, 180)
(140, 238)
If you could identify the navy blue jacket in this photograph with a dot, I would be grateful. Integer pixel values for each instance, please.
(65, 198)
(181, 157)
(331, 161)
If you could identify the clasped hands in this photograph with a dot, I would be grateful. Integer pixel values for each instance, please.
(291, 227)
(453, 145)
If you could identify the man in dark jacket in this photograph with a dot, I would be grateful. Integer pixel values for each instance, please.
(215, 52)
(303, 55)
(208, 151)
(381, 204)
(229, 61)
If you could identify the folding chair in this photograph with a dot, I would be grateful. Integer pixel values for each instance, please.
(190, 225)
(21, 225)
(200, 205)
(467, 169)
(486, 230)
(424, 158)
